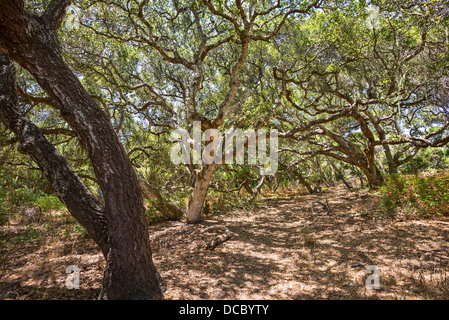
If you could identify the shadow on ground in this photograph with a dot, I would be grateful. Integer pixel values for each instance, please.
(279, 251)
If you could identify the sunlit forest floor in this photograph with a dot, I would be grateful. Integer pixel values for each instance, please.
(281, 250)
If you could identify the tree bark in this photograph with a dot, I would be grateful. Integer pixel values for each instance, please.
(196, 201)
(373, 175)
(64, 182)
(257, 189)
(32, 42)
(247, 188)
(333, 175)
(364, 160)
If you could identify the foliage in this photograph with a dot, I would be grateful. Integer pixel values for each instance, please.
(431, 158)
(424, 194)
(136, 59)
(392, 193)
(29, 235)
(17, 193)
(59, 226)
(49, 202)
(221, 203)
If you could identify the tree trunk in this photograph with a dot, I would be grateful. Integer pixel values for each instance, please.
(342, 176)
(303, 181)
(360, 176)
(332, 172)
(169, 210)
(257, 189)
(32, 42)
(64, 182)
(268, 183)
(373, 175)
(334, 177)
(276, 182)
(247, 188)
(196, 201)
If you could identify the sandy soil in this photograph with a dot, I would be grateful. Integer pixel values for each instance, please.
(282, 250)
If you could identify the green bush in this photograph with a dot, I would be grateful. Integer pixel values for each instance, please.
(49, 202)
(30, 235)
(432, 194)
(152, 214)
(392, 193)
(72, 230)
(222, 203)
(23, 196)
(423, 194)
(13, 197)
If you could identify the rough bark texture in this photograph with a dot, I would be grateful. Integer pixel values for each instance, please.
(342, 176)
(31, 41)
(364, 160)
(257, 189)
(65, 183)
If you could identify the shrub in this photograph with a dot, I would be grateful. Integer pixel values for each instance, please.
(153, 215)
(423, 194)
(392, 192)
(29, 235)
(23, 196)
(49, 202)
(432, 194)
(227, 202)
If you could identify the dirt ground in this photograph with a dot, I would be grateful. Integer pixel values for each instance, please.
(281, 250)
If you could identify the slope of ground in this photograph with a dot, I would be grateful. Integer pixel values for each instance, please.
(282, 250)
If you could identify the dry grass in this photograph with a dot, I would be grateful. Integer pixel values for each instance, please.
(279, 251)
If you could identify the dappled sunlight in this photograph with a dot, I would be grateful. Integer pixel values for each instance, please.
(283, 251)
(280, 250)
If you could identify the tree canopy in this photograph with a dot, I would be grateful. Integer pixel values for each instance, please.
(91, 92)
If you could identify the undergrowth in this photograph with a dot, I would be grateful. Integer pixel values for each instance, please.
(424, 194)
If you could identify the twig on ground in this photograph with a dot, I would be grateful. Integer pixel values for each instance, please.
(324, 205)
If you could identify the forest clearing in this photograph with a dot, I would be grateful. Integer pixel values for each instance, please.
(280, 250)
(224, 149)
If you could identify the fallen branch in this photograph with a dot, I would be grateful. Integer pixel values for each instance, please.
(225, 236)
(324, 205)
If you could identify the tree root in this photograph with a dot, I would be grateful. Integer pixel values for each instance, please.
(225, 236)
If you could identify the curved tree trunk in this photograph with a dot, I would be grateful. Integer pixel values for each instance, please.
(32, 42)
(303, 181)
(373, 175)
(64, 182)
(341, 174)
(257, 189)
